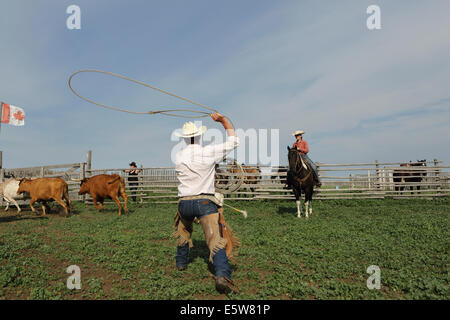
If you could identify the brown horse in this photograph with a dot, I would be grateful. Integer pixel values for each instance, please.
(250, 177)
(253, 178)
(221, 178)
(409, 176)
(301, 178)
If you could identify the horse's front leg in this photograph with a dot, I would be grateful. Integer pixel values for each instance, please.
(306, 209)
(308, 202)
(298, 200)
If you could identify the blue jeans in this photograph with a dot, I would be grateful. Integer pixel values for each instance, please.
(198, 208)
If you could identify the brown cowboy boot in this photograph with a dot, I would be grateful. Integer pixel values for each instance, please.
(225, 285)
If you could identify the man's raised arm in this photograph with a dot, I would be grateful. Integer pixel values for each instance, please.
(220, 118)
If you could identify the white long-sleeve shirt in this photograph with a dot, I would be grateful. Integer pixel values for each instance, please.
(195, 166)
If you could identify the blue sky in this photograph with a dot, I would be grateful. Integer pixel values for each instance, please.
(360, 95)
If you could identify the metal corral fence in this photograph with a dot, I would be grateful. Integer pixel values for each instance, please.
(339, 181)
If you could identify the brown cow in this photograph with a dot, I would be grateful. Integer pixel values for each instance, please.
(103, 186)
(46, 189)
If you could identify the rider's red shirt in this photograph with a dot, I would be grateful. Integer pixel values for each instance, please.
(301, 146)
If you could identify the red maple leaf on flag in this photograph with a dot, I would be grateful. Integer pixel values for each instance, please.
(19, 115)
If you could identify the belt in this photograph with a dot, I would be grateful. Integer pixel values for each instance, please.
(202, 196)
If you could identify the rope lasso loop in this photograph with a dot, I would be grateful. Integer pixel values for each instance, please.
(166, 112)
(234, 173)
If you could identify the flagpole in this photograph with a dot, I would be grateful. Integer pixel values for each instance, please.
(1, 115)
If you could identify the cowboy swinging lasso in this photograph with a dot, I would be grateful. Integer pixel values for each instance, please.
(195, 169)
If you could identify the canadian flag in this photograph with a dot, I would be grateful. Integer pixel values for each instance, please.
(12, 115)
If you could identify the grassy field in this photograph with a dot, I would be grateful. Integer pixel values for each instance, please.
(281, 256)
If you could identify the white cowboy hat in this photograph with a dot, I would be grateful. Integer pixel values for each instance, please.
(296, 133)
(190, 130)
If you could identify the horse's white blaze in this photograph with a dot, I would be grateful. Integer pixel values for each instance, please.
(299, 208)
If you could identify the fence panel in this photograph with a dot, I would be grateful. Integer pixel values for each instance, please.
(339, 181)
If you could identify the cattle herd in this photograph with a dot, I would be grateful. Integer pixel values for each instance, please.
(44, 190)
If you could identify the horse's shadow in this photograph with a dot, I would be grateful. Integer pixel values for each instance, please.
(282, 210)
(201, 251)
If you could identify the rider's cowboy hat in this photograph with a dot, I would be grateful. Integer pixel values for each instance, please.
(298, 132)
(190, 130)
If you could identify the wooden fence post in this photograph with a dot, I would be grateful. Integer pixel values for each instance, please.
(42, 172)
(1, 159)
(378, 174)
(82, 176)
(140, 184)
(89, 162)
(437, 173)
(391, 179)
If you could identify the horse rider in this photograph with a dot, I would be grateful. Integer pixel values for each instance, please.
(195, 169)
(302, 146)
